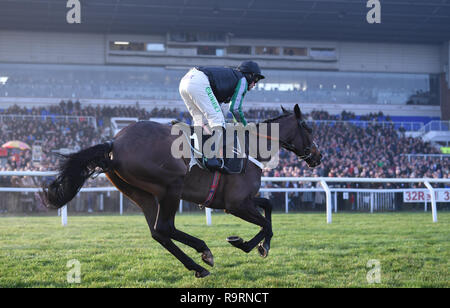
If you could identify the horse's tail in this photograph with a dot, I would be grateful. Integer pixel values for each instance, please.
(75, 169)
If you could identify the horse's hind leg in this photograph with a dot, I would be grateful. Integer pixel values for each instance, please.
(159, 221)
(163, 228)
(162, 232)
(170, 204)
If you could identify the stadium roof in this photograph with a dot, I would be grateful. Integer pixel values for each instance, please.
(409, 21)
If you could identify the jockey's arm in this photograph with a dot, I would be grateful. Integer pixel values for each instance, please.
(237, 100)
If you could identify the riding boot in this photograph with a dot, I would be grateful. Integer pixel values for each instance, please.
(215, 163)
(231, 162)
(221, 162)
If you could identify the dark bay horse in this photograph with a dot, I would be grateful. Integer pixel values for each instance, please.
(139, 164)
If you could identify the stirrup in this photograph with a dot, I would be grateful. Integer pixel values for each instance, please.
(214, 168)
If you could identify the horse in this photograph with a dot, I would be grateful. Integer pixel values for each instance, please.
(137, 162)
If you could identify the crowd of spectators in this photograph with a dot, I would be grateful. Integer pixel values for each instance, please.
(349, 150)
(376, 151)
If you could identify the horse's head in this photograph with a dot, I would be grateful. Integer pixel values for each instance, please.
(296, 136)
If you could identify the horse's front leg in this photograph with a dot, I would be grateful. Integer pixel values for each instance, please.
(247, 211)
(266, 205)
(195, 243)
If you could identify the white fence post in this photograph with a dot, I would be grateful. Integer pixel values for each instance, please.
(64, 215)
(371, 202)
(121, 203)
(433, 201)
(101, 203)
(286, 202)
(335, 201)
(328, 198)
(208, 216)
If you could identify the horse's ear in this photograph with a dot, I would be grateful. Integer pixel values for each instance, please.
(284, 110)
(298, 113)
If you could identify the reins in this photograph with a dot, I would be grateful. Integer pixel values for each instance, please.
(289, 146)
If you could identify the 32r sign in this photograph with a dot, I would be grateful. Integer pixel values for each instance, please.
(422, 196)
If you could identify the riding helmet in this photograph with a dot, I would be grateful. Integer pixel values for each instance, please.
(251, 71)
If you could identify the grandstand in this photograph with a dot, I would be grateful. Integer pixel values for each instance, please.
(159, 83)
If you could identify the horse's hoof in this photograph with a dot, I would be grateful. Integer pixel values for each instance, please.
(263, 251)
(236, 241)
(208, 258)
(202, 274)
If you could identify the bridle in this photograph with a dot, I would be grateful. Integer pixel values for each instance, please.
(307, 153)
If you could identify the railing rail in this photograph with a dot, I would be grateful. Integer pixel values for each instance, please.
(89, 119)
(323, 181)
(426, 156)
(436, 126)
(407, 125)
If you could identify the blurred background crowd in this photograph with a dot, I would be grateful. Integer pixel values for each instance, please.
(373, 150)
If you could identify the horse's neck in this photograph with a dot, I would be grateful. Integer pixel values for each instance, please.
(268, 139)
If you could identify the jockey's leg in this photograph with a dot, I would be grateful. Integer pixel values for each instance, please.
(195, 112)
(185, 89)
(200, 99)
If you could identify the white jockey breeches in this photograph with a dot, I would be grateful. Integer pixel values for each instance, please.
(200, 100)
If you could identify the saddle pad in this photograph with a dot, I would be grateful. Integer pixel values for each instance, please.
(234, 166)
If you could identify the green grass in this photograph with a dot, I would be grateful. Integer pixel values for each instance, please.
(118, 251)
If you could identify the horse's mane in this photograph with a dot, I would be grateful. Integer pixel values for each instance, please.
(284, 115)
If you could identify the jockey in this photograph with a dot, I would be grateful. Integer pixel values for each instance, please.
(204, 88)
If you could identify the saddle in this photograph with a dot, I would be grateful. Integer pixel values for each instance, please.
(233, 165)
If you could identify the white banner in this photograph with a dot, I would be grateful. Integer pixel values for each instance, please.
(422, 196)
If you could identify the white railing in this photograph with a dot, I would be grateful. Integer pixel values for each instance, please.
(408, 126)
(436, 126)
(322, 181)
(411, 126)
(89, 119)
(426, 156)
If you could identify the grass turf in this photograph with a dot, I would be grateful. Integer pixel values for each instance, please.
(118, 251)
